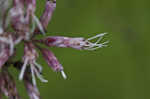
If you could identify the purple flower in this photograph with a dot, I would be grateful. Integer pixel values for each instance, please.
(25, 26)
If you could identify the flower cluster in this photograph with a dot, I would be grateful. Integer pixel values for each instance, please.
(19, 15)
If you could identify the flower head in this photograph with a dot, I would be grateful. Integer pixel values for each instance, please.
(25, 26)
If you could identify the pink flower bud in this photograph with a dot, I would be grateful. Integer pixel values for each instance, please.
(51, 60)
(48, 12)
(60, 41)
(47, 15)
(77, 43)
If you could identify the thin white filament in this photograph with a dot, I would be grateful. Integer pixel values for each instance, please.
(99, 35)
(23, 69)
(38, 24)
(39, 66)
(33, 76)
(96, 45)
(18, 40)
(11, 45)
(40, 76)
(63, 74)
(33, 26)
(100, 38)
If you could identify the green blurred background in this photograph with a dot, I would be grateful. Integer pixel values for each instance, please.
(119, 71)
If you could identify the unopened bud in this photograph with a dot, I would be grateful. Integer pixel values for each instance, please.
(52, 61)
